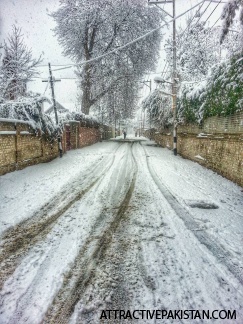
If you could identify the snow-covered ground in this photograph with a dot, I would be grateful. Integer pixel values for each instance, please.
(119, 225)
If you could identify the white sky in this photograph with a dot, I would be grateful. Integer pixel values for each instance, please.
(37, 27)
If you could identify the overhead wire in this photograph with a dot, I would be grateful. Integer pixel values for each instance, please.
(211, 1)
(165, 71)
(203, 12)
(215, 22)
(45, 65)
(46, 87)
(129, 43)
(198, 10)
(192, 19)
(213, 11)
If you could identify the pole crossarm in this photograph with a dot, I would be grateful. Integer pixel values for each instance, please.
(217, 1)
(159, 2)
(162, 9)
(167, 93)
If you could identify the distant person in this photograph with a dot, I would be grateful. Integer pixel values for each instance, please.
(124, 133)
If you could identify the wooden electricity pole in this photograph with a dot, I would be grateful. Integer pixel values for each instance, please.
(52, 80)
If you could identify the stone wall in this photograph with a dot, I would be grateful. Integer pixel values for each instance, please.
(221, 152)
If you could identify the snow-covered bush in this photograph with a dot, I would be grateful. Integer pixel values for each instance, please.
(224, 90)
(220, 95)
(64, 117)
(29, 109)
(158, 107)
(85, 120)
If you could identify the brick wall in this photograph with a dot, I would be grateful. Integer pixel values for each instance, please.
(222, 153)
(88, 136)
(20, 146)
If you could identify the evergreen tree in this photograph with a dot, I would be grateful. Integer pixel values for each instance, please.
(17, 67)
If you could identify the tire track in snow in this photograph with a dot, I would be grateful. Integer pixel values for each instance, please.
(84, 268)
(17, 240)
(182, 212)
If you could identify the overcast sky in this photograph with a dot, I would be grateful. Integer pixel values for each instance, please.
(32, 16)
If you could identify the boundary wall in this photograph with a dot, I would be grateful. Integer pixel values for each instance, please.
(217, 145)
(21, 145)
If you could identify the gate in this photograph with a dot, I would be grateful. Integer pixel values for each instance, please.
(68, 137)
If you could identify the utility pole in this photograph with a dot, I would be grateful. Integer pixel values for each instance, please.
(52, 80)
(174, 73)
(114, 111)
(174, 86)
(150, 89)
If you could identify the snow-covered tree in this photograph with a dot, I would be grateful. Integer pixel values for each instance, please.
(158, 107)
(88, 29)
(17, 67)
(228, 15)
(120, 102)
(197, 51)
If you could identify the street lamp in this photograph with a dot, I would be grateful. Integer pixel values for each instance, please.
(158, 79)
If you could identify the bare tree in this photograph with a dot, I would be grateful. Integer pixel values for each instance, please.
(18, 66)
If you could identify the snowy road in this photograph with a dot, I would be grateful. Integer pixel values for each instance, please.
(119, 226)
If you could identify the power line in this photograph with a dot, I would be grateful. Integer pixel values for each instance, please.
(201, 4)
(129, 43)
(45, 88)
(60, 78)
(203, 12)
(164, 67)
(215, 22)
(213, 11)
(193, 18)
(194, 27)
(45, 65)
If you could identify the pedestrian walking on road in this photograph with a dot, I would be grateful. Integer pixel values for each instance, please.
(124, 133)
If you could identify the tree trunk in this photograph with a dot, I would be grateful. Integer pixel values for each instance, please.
(85, 105)
(86, 88)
